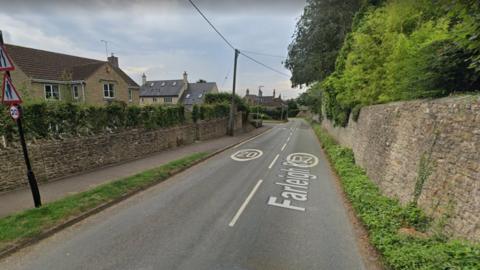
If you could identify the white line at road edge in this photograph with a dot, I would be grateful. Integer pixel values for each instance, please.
(283, 147)
(242, 143)
(273, 161)
(245, 203)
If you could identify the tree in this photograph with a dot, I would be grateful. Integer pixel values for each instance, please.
(318, 37)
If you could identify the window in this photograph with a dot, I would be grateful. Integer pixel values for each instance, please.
(108, 91)
(75, 92)
(163, 84)
(154, 99)
(130, 95)
(174, 83)
(167, 99)
(200, 96)
(51, 92)
(188, 95)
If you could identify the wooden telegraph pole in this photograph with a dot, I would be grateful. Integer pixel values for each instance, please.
(11, 97)
(231, 119)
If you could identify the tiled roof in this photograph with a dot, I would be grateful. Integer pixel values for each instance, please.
(265, 100)
(165, 88)
(45, 65)
(196, 92)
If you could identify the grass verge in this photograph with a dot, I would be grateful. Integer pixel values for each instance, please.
(32, 223)
(384, 217)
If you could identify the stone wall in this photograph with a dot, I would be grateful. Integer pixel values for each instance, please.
(425, 151)
(54, 159)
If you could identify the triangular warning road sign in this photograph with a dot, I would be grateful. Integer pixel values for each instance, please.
(9, 93)
(5, 60)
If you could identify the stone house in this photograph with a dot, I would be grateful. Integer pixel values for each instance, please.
(175, 91)
(44, 75)
(264, 101)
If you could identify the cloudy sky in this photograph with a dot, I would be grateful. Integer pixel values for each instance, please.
(164, 38)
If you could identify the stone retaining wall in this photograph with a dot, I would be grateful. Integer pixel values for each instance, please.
(53, 159)
(425, 151)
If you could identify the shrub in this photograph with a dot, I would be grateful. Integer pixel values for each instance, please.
(226, 98)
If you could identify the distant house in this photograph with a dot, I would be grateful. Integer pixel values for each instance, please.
(44, 75)
(175, 91)
(264, 101)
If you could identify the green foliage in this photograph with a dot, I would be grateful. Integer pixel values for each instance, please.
(269, 113)
(401, 50)
(226, 98)
(52, 119)
(318, 37)
(212, 111)
(292, 108)
(33, 222)
(195, 113)
(383, 217)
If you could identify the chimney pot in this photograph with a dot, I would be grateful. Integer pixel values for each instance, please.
(113, 60)
(144, 79)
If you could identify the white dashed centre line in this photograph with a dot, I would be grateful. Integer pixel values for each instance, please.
(273, 161)
(245, 203)
(283, 147)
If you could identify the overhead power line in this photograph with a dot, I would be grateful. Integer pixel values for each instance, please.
(233, 47)
(264, 65)
(264, 54)
(211, 24)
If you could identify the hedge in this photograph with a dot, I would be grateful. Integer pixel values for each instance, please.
(53, 119)
(270, 113)
(210, 111)
(216, 98)
(384, 217)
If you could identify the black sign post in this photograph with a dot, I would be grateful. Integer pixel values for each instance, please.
(16, 113)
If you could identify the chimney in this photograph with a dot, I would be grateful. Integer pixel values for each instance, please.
(273, 93)
(185, 77)
(113, 60)
(260, 93)
(248, 91)
(144, 79)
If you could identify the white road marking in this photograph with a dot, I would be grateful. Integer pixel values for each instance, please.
(288, 139)
(301, 160)
(245, 203)
(273, 161)
(246, 154)
(283, 147)
(242, 143)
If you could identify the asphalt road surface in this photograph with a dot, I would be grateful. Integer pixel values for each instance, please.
(270, 203)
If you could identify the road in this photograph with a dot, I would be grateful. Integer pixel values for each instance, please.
(276, 208)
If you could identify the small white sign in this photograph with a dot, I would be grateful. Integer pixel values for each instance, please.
(14, 112)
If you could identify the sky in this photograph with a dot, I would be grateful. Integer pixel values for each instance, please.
(165, 38)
